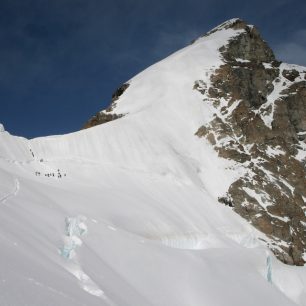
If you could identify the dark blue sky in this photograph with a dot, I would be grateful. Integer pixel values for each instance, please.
(62, 59)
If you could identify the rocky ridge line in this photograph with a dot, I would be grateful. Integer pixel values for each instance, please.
(260, 123)
(108, 114)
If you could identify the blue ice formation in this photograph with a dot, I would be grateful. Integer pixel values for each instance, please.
(74, 228)
(67, 251)
(269, 269)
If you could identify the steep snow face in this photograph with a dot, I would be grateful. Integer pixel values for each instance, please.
(126, 213)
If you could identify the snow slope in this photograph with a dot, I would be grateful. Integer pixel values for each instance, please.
(126, 213)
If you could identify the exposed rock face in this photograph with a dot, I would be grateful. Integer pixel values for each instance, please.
(107, 114)
(260, 123)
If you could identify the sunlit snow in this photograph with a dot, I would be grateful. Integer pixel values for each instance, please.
(126, 213)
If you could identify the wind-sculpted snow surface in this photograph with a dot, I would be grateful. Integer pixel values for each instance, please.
(149, 188)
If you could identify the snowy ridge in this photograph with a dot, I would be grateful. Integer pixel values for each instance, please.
(148, 189)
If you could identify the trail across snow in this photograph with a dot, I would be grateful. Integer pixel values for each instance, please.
(11, 194)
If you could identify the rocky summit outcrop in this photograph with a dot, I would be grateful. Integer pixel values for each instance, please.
(108, 114)
(259, 122)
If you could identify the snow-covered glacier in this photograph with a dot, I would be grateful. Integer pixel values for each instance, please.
(126, 213)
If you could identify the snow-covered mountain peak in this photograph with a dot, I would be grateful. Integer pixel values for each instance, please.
(176, 197)
(187, 65)
(234, 23)
(240, 83)
(175, 71)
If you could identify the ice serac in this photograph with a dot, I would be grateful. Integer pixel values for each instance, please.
(260, 123)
